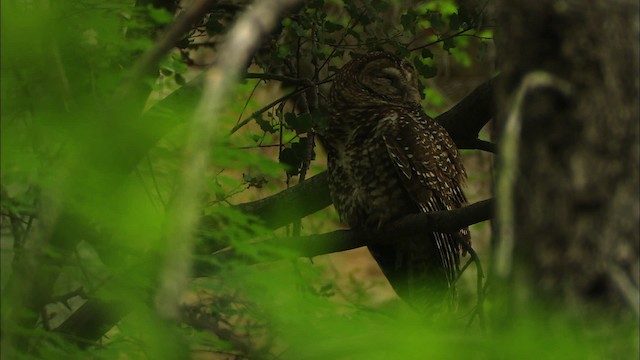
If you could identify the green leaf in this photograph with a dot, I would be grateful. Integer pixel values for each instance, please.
(454, 21)
(289, 118)
(284, 52)
(437, 23)
(426, 54)
(301, 148)
(408, 21)
(291, 161)
(355, 34)
(159, 16)
(177, 64)
(179, 79)
(315, 4)
(299, 30)
(448, 44)
(321, 123)
(380, 5)
(257, 181)
(330, 26)
(466, 16)
(265, 125)
(300, 124)
(402, 50)
(427, 71)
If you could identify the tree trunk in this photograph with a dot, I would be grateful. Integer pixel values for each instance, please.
(575, 205)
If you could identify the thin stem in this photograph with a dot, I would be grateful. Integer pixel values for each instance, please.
(267, 107)
(344, 35)
(441, 40)
(281, 78)
(246, 103)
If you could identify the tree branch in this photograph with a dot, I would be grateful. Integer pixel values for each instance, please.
(286, 206)
(484, 146)
(287, 80)
(342, 240)
(465, 120)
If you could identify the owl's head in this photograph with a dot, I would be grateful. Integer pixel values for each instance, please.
(377, 78)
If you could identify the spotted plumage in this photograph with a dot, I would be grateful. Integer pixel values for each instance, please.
(388, 159)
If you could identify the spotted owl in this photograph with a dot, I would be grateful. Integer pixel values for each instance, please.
(388, 159)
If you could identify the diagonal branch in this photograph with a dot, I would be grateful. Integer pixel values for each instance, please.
(465, 120)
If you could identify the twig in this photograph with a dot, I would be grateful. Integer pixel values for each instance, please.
(462, 270)
(441, 39)
(479, 288)
(155, 182)
(246, 103)
(256, 146)
(477, 36)
(284, 79)
(474, 258)
(310, 106)
(344, 36)
(266, 107)
(471, 26)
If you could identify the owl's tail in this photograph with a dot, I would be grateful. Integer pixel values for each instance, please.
(421, 271)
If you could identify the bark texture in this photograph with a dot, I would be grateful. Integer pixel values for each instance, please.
(576, 220)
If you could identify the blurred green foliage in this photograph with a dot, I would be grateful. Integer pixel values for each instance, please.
(86, 181)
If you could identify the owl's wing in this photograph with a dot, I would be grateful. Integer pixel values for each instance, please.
(431, 170)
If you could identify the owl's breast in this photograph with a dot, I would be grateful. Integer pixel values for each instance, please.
(363, 181)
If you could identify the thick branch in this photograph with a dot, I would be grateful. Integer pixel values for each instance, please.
(342, 240)
(465, 120)
(286, 206)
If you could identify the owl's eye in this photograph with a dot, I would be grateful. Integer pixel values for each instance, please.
(392, 76)
(389, 78)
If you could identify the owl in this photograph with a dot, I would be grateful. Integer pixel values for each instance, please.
(388, 159)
